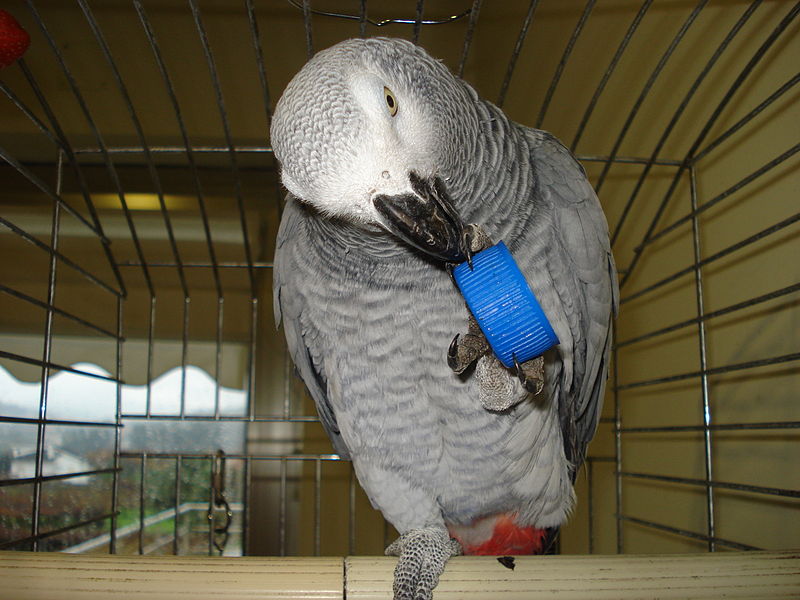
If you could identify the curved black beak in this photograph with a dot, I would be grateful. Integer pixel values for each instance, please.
(426, 219)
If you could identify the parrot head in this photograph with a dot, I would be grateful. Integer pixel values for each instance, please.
(375, 131)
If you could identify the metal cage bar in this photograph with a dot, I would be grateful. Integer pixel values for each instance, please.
(563, 62)
(709, 483)
(262, 78)
(730, 93)
(153, 172)
(187, 147)
(512, 61)
(98, 137)
(35, 421)
(45, 378)
(648, 86)
(307, 27)
(747, 118)
(750, 364)
(637, 20)
(789, 289)
(112, 542)
(756, 237)
(58, 477)
(61, 312)
(716, 427)
(55, 197)
(418, 21)
(679, 113)
(212, 67)
(473, 21)
(748, 179)
(617, 430)
(61, 258)
(67, 149)
(34, 539)
(686, 533)
(51, 365)
(704, 388)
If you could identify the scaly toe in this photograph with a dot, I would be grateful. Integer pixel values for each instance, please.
(423, 555)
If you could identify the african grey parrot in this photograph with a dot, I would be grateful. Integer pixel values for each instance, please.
(397, 167)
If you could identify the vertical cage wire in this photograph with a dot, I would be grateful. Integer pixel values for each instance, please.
(678, 113)
(102, 147)
(40, 431)
(45, 363)
(117, 467)
(176, 507)
(48, 367)
(706, 405)
(512, 61)
(729, 95)
(691, 163)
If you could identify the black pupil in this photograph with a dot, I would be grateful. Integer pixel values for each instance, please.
(389, 101)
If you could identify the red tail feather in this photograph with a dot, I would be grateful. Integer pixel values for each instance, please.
(509, 538)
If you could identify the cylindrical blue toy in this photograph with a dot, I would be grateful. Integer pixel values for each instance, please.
(504, 306)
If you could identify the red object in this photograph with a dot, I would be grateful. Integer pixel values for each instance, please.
(508, 538)
(14, 40)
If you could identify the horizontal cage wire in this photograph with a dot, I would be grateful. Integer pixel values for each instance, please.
(148, 403)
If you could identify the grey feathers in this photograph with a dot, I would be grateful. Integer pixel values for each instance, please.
(368, 319)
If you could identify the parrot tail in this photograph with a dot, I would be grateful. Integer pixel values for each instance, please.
(504, 538)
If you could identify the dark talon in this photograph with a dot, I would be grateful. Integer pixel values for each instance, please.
(529, 384)
(452, 354)
(449, 267)
(466, 245)
(518, 369)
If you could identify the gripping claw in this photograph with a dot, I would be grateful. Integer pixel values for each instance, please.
(449, 267)
(518, 369)
(532, 384)
(467, 242)
(452, 354)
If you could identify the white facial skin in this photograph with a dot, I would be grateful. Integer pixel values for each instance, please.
(345, 132)
(391, 145)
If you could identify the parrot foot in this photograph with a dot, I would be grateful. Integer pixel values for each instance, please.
(476, 238)
(465, 351)
(499, 388)
(462, 355)
(422, 554)
(531, 374)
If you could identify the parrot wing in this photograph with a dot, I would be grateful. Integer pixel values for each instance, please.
(581, 266)
(302, 338)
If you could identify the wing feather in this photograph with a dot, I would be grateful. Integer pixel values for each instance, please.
(582, 268)
(301, 336)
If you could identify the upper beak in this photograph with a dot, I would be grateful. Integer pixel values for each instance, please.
(425, 219)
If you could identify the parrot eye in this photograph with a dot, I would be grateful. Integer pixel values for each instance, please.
(391, 102)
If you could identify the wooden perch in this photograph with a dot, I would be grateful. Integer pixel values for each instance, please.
(25, 575)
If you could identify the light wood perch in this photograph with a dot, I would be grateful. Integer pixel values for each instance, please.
(53, 576)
